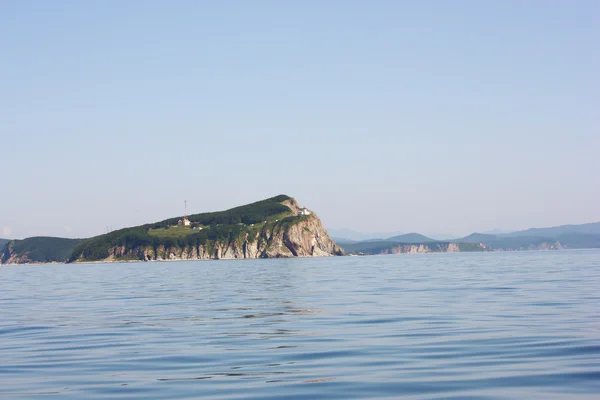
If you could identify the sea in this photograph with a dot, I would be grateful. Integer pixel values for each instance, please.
(513, 325)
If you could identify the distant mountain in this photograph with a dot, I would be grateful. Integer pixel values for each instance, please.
(342, 241)
(475, 242)
(410, 238)
(583, 229)
(497, 232)
(477, 238)
(348, 234)
(497, 242)
(3, 242)
(532, 239)
(443, 237)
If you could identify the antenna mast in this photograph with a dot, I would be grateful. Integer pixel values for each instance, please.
(185, 209)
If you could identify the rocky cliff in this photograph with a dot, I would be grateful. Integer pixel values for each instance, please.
(10, 256)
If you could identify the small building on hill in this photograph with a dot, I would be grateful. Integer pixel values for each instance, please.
(184, 222)
(304, 211)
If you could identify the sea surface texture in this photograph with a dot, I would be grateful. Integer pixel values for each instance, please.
(428, 326)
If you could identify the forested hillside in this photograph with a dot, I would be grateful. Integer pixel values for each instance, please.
(39, 249)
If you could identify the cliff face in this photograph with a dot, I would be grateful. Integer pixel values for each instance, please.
(12, 257)
(9, 256)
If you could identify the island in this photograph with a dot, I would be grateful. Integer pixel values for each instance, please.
(272, 228)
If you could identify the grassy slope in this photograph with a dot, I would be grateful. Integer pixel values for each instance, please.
(172, 231)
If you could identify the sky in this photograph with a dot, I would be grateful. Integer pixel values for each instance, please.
(399, 116)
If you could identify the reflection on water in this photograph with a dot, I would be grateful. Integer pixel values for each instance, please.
(512, 325)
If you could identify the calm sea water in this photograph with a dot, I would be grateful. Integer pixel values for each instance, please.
(443, 326)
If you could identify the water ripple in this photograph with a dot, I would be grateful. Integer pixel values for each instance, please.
(439, 326)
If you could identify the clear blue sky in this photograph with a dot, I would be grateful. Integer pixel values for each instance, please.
(429, 116)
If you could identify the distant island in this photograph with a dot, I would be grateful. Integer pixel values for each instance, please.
(271, 228)
(556, 238)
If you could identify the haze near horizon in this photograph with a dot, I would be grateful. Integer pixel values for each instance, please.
(385, 116)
